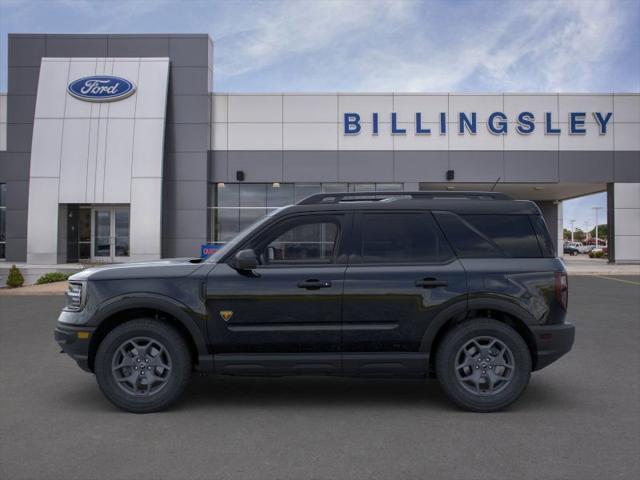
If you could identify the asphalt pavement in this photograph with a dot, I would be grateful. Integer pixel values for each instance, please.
(579, 418)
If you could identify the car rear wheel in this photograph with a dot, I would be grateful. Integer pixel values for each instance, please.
(483, 365)
(143, 365)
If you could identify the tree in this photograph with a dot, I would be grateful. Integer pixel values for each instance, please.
(15, 278)
(603, 231)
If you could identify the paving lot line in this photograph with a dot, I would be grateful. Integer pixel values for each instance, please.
(618, 280)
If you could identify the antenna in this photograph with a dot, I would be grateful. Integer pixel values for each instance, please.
(494, 185)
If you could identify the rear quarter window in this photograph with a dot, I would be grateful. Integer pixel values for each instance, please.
(490, 236)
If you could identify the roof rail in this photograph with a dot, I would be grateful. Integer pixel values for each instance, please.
(321, 198)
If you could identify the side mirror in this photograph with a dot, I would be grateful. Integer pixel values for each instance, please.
(245, 260)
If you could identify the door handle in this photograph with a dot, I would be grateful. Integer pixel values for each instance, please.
(431, 283)
(313, 284)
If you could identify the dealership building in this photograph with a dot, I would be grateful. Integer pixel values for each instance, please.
(118, 148)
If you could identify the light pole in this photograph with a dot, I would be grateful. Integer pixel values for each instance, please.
(596, 209)
(572, 224)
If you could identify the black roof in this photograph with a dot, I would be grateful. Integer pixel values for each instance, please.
(459, 202)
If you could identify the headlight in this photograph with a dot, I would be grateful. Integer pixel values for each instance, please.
(75, 296)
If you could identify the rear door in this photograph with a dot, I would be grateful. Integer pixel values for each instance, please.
(401, 273)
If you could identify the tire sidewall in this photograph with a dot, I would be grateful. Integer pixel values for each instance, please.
(459, 336)
(178, 377)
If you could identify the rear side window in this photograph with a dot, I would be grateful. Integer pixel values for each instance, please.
(513, 234)
(465, 239)
(491, 235)
(544, 239)
(401, 238)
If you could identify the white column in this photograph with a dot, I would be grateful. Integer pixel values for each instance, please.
(626, 205)
(560, 231)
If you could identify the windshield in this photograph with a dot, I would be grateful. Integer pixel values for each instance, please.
(240, 237)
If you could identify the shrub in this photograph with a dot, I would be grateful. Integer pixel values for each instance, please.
(52, 277)
(15, 278)
(597, 254)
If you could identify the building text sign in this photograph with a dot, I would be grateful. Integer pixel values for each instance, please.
(467, 123)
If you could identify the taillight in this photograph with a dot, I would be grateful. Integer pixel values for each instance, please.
(562, 289)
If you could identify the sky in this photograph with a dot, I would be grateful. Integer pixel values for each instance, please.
(378, 45)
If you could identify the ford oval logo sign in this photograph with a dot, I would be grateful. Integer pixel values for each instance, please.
(101, 88)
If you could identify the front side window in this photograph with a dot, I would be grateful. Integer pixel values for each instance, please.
(301, 241)
(402, 238)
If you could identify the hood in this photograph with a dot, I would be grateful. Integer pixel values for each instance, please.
(166, 268)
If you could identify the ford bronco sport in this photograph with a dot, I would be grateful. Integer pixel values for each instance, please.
(463, 286)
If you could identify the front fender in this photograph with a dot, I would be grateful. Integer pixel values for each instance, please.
(194, 322)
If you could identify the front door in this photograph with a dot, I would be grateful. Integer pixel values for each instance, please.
(401, 274)
(285, 314)
(110, 228)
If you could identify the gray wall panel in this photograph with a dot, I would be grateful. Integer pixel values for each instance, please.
(76, 46)
(26, 50)
(185, 195)
(626, 166)
(189, 109)
(258, 165)
(16, 249)
(528, 166)
(16, 167)
(218, 166)
(425, 166)
(586, 166)
(22, 108)
(188, 80)
(185, 166)
(187, 137)
(310, 166)
(138, 46)
(477, 166)
(185, 223)
(17, 195)
(19, 137)
(190, 51)
(365, 166)
(16, 223)
(23, 80)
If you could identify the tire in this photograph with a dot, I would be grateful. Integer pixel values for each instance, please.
(465, 379)
(143, 365)
(574, 253)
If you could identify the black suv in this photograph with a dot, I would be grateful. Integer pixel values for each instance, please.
(463, 286)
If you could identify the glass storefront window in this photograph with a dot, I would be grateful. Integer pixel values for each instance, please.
(234, 206)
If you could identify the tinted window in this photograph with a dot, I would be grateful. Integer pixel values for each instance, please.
(402, 237)
(479, 236)
(513, 234)
(467, 241)
(544, 239)
(304, 242)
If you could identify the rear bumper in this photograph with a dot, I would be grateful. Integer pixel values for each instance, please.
(552, 342)
(73, 342)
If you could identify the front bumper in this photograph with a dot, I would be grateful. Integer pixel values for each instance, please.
(552, 342)
(74, 341)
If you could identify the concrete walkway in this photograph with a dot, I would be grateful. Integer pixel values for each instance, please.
(583, 265)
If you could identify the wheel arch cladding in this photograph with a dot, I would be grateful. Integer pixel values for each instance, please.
(127, 313)
(491, 308)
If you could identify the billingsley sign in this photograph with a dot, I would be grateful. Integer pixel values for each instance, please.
(497, 123)
(101, 88)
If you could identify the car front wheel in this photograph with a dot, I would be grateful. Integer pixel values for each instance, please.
(143, 365)
(483, 365)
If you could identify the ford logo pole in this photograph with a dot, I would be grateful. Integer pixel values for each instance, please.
(101, 88)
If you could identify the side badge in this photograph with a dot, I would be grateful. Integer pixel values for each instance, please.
(226, 315)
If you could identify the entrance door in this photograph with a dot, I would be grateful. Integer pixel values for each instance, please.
(110, 234)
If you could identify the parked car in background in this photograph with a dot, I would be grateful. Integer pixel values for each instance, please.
(571, 248)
